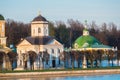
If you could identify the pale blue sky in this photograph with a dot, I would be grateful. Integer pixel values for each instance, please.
(55, 10)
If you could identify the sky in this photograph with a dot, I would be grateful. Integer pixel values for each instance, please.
(61, 10)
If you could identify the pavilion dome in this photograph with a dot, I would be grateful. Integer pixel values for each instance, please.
(1, 17)
(39, 18)
(85, 41)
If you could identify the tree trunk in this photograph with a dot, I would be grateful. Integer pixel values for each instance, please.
(72, 64)
(100, 62)
(64, 64)
(108, 63)
(42, 64)
(0, 67)
(92, 63)
(117, 62)
(78, 63)
(95, 63)
(39, 62)
(12, 65)
(87, 63)
(112, 63)
(33, 66)
(25, 64)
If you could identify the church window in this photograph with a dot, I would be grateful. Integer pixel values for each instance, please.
(58, 50)
(39, 30)
(52, 50)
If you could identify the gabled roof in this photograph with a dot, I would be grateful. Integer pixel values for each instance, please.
(40, 40)
(23, 42)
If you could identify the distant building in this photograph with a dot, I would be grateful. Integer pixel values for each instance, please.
(40, 41)
(2, 32)
(87, 42)
(3, 47)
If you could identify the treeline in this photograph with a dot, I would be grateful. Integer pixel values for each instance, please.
(66, 33)
(15, 31)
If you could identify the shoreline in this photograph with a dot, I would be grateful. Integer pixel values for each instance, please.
(60, 73)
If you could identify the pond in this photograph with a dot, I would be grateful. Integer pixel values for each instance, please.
(93, 77)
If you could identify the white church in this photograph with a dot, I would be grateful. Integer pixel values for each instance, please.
(40, 41)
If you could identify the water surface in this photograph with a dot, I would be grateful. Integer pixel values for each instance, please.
(94, 77)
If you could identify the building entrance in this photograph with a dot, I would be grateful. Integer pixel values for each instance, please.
(53, 63)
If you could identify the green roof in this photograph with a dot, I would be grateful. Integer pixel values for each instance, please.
(1, 17)
(85, 42)
(101, 46)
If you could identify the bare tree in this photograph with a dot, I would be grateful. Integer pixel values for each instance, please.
(2, 54)
(25, 59)
(45, 57)
(12, 57)
(72, 57)
(118, 57)
(78, 57)
(65, 57)
(32, 58)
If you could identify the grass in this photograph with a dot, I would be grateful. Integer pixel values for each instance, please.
(69, 69)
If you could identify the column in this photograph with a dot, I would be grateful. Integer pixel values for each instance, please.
(84, 62)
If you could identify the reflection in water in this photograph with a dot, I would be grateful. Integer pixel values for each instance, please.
(97, 77)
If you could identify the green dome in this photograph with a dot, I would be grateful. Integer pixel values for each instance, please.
(85, 42)
(1, 17)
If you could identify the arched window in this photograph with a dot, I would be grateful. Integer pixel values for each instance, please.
(39, 30)
(45, 30)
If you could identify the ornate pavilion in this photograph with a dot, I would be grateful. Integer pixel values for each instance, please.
(86, 42)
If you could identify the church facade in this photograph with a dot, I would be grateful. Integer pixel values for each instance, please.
(40, 42)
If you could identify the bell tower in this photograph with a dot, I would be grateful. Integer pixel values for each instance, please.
(39, 26)
(2, 32)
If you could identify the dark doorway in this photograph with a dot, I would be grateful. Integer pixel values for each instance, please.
(25, 64)
(53, 63)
